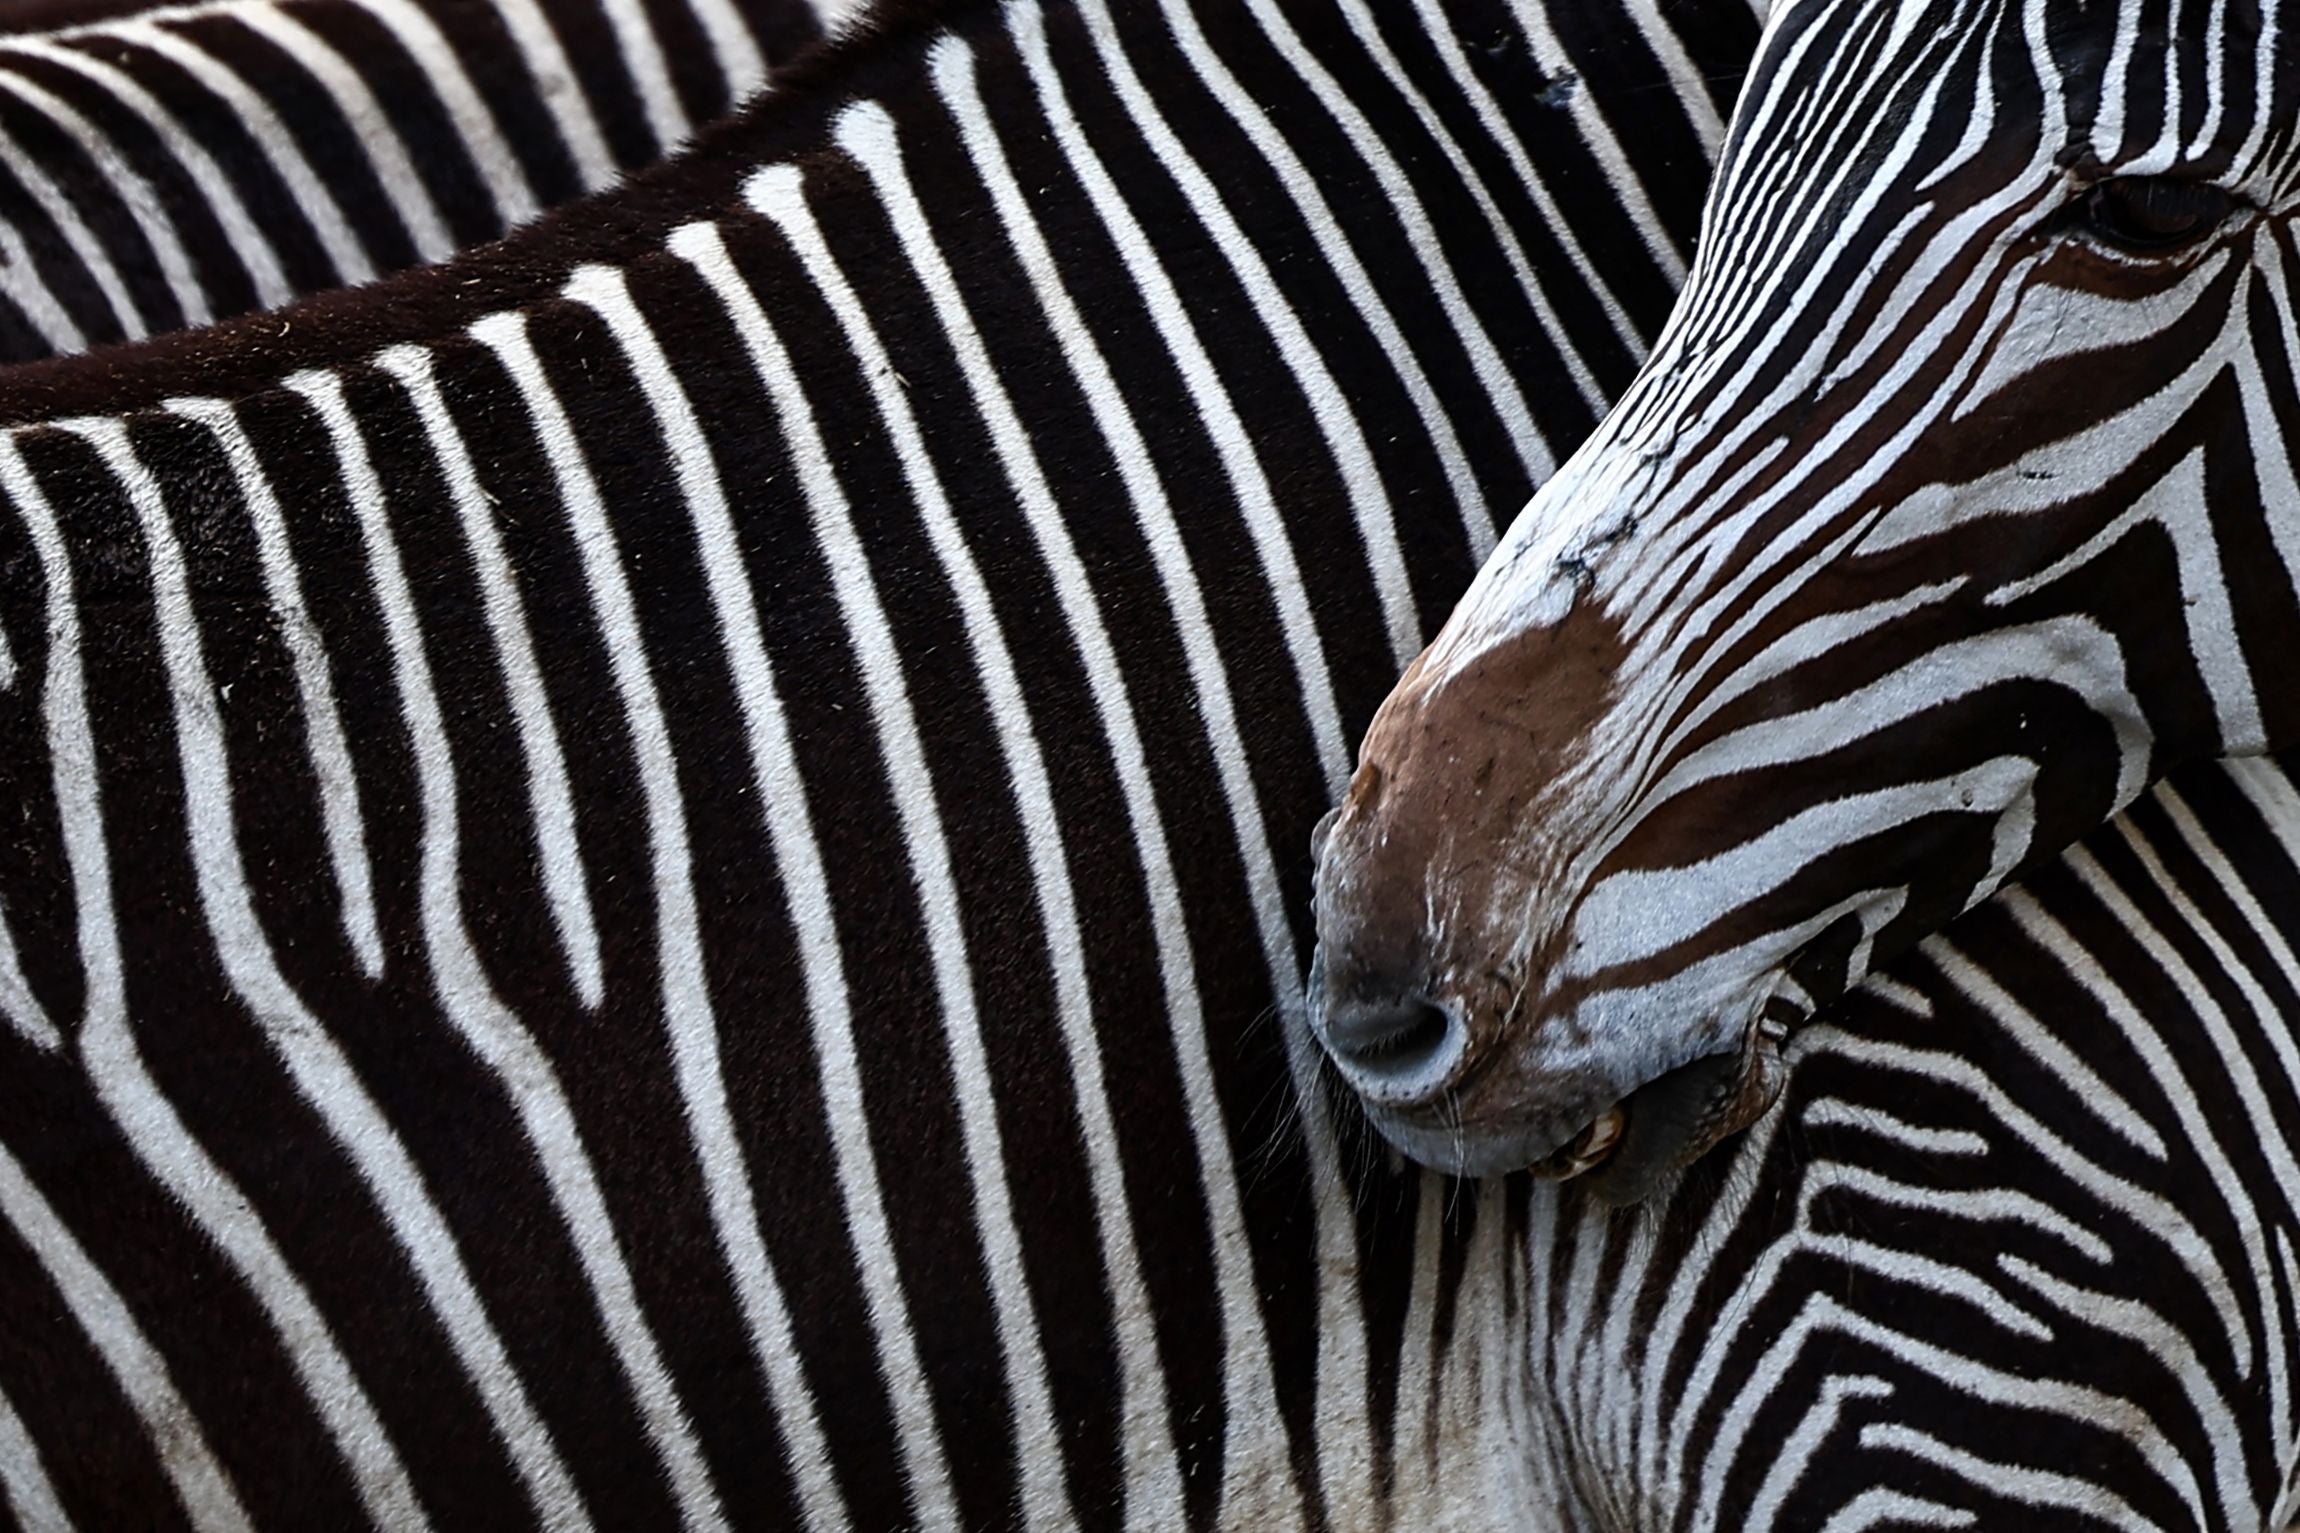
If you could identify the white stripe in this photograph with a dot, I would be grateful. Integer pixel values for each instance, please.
(324, 741)
(1345, 440)
(2042, 1488)
(687, 1008)
(550, 801)
(1590, 282)
(1256, 1439)
(1154, 1492)
(1536, 292)
(866, 132)
(71, 748)
(250, 245)
(277, 145)
(2175, 1233)
(1638, 914)
(24, 1482)
(147, 1120)
(642, 55)
(1880, 1508)
(1816, 1429)
(324, 1076)
(1319, 218)
(556, 84)
(2232, 1038)
(136, 194)
(502, 172)
(1823, 1324)
(468, 999)
(25, 288)
(1501, 385)
(1683, 1322)
(364, 117)
(205, 1490)
(2264, 781)
(1688, 84)
(2272, 447)
(2181, 505)
(740, 63)
(181, 11)
(1598, 137)
(87, 252)
(17, 1002)
(1218, 413)
(782, 795)
(2223, 1423)
(2085, 1086)
(1416, 1434)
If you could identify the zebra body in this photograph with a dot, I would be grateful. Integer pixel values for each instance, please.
(174, 164)
(2017, 1248)
(715, 1174)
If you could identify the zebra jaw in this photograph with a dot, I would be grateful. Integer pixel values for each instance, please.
(1626, 1150)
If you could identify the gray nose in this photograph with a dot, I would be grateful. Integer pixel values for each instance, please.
(1390, 1048)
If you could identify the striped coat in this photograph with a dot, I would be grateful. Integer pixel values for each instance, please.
(601, 940)
(766, 980)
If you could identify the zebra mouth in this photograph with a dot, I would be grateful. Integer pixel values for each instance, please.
(1622, 1153)
(1674, 1120)
(1587, 1150)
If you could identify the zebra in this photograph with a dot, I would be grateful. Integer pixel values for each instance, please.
(451, 1186)
(181, 163)
(1374, 1360)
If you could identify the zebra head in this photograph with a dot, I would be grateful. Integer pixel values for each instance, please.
(1953, 506)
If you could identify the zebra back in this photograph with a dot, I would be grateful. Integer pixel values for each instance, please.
(168, 165)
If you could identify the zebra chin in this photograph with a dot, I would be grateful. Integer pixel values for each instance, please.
(1621, 1152)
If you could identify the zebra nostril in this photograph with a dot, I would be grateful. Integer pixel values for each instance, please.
(1389, 1043)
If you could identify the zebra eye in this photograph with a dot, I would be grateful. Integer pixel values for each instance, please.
(2149, 215)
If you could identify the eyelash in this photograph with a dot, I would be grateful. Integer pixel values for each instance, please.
(2154, 215)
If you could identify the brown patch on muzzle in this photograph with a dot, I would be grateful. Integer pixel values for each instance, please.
(1444, 851)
